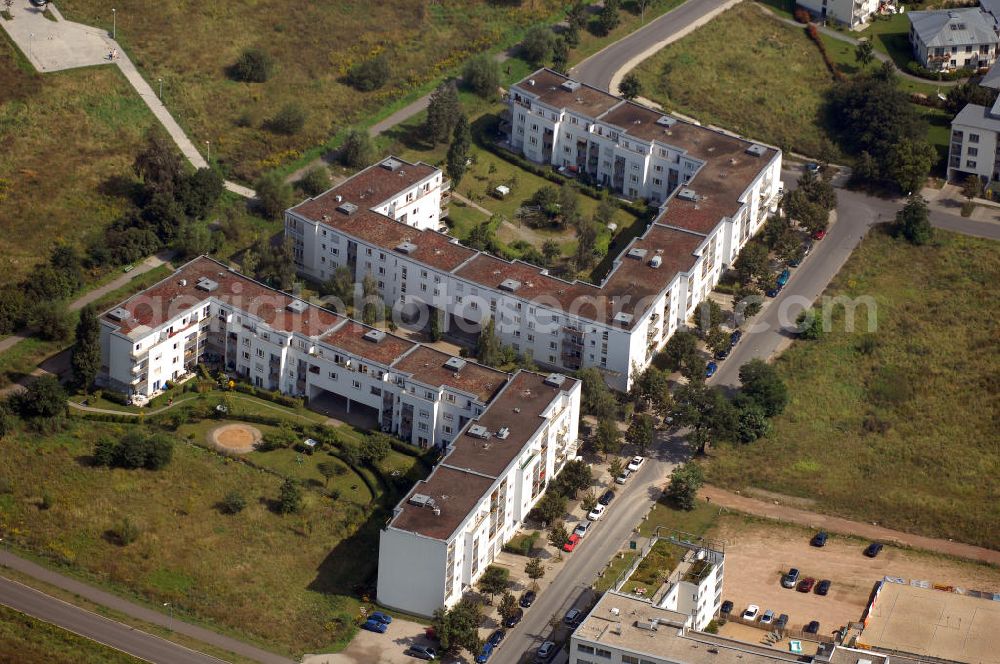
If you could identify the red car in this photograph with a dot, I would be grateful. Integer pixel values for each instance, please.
(574, 539)
(806, 584)
(819, 235)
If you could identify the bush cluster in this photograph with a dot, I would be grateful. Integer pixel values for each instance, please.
(135, 450)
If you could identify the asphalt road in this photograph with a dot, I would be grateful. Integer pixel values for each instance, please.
(98, 628)
(600, 68)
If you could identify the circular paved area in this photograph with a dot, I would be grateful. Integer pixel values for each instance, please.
(236, 438)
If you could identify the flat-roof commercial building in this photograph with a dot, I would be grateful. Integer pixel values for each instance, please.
(930, 623)
(714, 191)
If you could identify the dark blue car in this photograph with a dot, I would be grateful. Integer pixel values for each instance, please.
(783, 277)
(381, 617)
(735, 337)
(484, 655)
(375, 626)
(773, 292)
(710, 369)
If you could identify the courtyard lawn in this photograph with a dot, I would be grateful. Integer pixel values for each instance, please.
(25, 639)
(53, 189)
(747, 72)
(896, 425)
(891, 35)
(286, 582)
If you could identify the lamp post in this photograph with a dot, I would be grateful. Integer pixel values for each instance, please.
(209, 144)
(170, 610)
(114, 23)
(31, 45)
(161, 88)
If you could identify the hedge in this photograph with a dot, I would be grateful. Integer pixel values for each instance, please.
(275, 397)
(917, 69)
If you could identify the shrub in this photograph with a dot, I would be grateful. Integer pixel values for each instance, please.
(135, 450)
(357, 150)
(802, 15)
(253, 66)
(274, 195)
(289, 120)
(124, 532)
(370, 74)
(47, 502)
(482, 75)
(315, 181)
(917, 69)
(289, 498)
(233, 503)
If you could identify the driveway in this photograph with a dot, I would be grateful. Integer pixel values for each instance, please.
(369, 647)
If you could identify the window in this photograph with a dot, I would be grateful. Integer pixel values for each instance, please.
(970, 163)
(585, 649)
(333, 375)
(422, 426)
(973, 138)
(357, 384)
(630, 659)
(973, 152)
(604, 653)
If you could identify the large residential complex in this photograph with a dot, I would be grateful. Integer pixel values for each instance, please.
(452, 525)
(714, 190)
(948, 39)
(973, 147)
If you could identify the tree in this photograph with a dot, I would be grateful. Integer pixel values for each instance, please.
(458, 627)
(966, 93)
(443, 112)
(357, 150)
(597, 399)
(193, 239)
(157, 164)
(575, 477)
(369, 75)
(200, 191)
(681, 350)
(494, 580)
(534, 569)
(482, 75)
(315, 181)
(289, 120)
(914, 222)
(373, 307)
(569, 204)
(538, 46)
(717, 340)
(375, 447)
(560, 54)
(909, 162)
(972, 187)
(558, 535)
(864, 53)
(589, 500)
(640, 432)
(809, 325)
(811, 214)
(233, 503)
(488, 345)
(576, 15)
(616, 466)
(608, 440)
(684, 484)
(253, 66)
(762, 385)
(586, 243)
(550, 508)
(608, 18)
(630, 86)
(508, 607)
(709, 314)
(753, 423)
(752, 263)
(435, 332)
(86, 360)
(44, 398)
(328, 469)
(289, 497)
(274, 195)
(551, 250)
(458, 151)
(708, 412)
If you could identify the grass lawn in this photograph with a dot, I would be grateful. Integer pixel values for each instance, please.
(287, 582)
(53, 189)
(891, 35)
(896, 426)
(26, 640)
(312, 45)
(747, 72)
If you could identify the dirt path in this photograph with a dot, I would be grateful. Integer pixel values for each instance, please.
(779, 512)
(471, 203)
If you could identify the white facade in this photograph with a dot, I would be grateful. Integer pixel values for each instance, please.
(853, 13)
(973, 146)
(452, 526)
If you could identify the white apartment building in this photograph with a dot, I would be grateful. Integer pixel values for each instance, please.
(715, 192)
(453, 524)
(947, 39)
(973, 146)
(207, 312)
(852, 13)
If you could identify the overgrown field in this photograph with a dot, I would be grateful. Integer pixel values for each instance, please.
(28, 641)
(290, 582)
(898, 425)
(313, 45)
(67, 141)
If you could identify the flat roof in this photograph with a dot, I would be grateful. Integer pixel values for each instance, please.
(427, 365)
(166, 299)
(351, 337)
(455, 493)
(547, 86)
(376, 184)
(518, 407)
(933, 623)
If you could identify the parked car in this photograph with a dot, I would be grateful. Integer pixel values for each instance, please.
(781, 622)
(484, 654)
(573, 617)
(727, 608)
(751, 612)
(783, 278)
(710, 369)
(545, 651)
(606, 497)
(582, 529)
(621, 479)
(806, 584)
(597, 512)
(819, 235)
(381, 617)
(823, 587)
(812, 167)
(514, 619)
(873, 549)
(735, 337)
(421, 652)
(571, 543)
(528, 598)
(767, 618)
(812, 627)
(806, 249)
(819, 539)
(722, 354)
(789, 580)
(773, 292)
(634, 464)
(496, 637)
(375, 626)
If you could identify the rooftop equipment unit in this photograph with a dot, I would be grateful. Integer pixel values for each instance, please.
(570, 85)
(479, 431)
(297, 306)
(655, 261)
(623, 318)
(206, 284)
(391, 164)
(119, 314)
(503, 433)
(406, 247)
(636, 253)
(687, 194)
(510, 285)
(347, 208)
(555, 379)
(757, 150)
(455, 363)
(374, 336)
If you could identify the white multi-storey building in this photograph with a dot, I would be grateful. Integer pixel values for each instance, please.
(852, 13)
(973, 146)
(715, 191)
(453, 524)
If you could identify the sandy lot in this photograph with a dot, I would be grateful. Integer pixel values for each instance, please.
(371, 648)
(757, 554)
(237, 438)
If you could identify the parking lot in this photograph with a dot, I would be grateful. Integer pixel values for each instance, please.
(757, 554)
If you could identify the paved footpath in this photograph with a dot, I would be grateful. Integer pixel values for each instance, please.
(46, 608)
(778, 512)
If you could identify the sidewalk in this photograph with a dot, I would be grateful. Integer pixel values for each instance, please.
(132, 610)
(778, 512)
